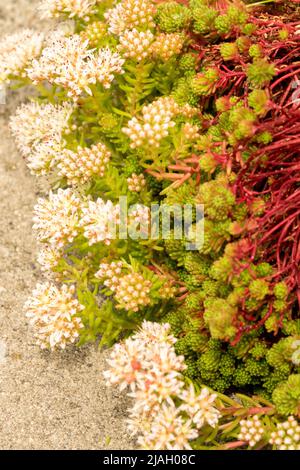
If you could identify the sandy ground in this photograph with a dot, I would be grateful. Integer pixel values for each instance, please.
(47, 401)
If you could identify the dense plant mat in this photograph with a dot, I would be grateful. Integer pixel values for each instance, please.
(146, 105)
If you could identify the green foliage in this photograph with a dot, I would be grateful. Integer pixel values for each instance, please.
(219, 317)
(172, 17)
(258, 100)
(286, 396)
(260, 72)
(204, 83)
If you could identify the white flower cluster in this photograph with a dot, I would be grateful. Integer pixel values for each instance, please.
(148, 365)
(138, 45)
(251, 431)
(131, 290)
(135, 44)
(136, 182)
(68, 63)
(17, 51)
(168, 430)
(54, 313)
(166, 46)
(38, 130)
(110, 273)
(100, 220)
(71, 8)
(56, 218)
(48, 257)
(168, 290)
(287, 435)
(94, 33)
(155, 122)
(129, 14)
(78, 167)
(190, 131)
(139, 221)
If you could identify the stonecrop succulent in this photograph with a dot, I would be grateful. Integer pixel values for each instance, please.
(169, 135)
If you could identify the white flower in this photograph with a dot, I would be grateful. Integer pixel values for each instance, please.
(153, 125)
(169, 431)
(136, 182)
(139, 221)
(104, 65)
(129, 14)
(287, 435)
(54, 313)
(190, 131)
(167, 45)
(148, 364)
(56, 218)
(80, 166)
(200, 407)
(135, 44)
(126, 364)
(251, 431)
(16, 52)
(152, 332)
(71, 8)
(99, 221)
(110, 273)
(139, 421)
(44, 157)
(36, 124)
(155, 122)
(69, 63)
(48, 257)
(132, 292)
(156, 387)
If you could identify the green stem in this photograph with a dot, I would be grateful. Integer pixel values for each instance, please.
(260, 3)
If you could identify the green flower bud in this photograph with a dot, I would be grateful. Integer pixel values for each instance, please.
(259, 289)
(249, 29)
(286, 396)
(263, 269)
(208, 163)
(204, 83)
(256, 51)
(172, 17)
(223, 24)
(260, 73)
(221, 269)
(219, 317)
(281, 352)
(242, 377)
(209, 361)
(227, 365)
(229, 51)
(204, 19)
(259, 350)
(283, 34)
(257, 368)
(243, 43)
(281, 291)
(188, 62)
(264, 138)
(258, 100)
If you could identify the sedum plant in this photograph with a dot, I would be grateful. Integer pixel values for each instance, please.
(139, 106)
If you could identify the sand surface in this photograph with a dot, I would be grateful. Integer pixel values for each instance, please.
(47, 401)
